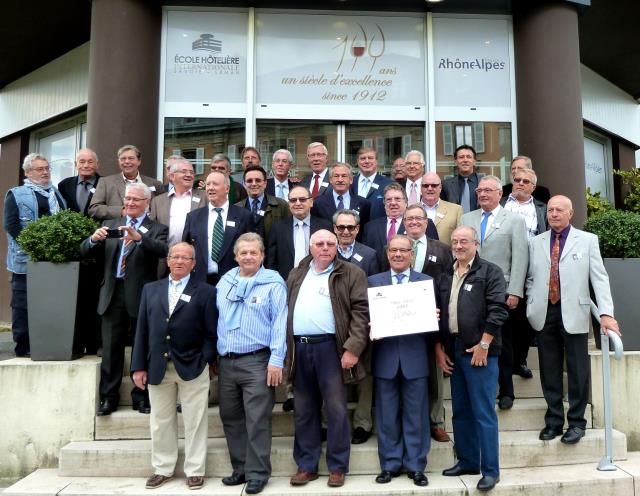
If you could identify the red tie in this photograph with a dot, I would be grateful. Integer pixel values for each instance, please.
(316, 186)
(392, 230)
(554, 276)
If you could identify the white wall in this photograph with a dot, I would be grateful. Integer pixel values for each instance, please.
(57, 87)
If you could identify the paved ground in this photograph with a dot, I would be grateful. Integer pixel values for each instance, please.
(6, 345)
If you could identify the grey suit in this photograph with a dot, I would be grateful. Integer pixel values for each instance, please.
(108, 200)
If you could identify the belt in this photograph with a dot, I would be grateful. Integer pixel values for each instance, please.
(233, 356)
(320, 338)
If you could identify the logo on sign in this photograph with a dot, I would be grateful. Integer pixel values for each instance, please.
(208, 43)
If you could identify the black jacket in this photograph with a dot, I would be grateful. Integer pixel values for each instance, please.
(482, 306)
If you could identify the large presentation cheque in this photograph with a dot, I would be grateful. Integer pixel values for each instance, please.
(402, 309)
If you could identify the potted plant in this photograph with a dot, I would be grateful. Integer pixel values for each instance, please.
(52, 243)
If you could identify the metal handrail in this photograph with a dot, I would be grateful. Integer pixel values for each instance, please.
(606, 462)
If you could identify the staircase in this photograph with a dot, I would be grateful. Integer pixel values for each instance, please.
(118, 460)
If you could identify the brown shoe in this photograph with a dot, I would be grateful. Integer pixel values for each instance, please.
(336, 479)
(156, 480)
(302, 477)
(440, 435)
(195, 482)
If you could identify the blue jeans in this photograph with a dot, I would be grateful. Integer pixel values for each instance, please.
(475, 423)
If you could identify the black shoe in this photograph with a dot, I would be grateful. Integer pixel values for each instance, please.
(107, 407)
(549, 433)
(360, 435)
(323, 434)
(523, 371)
(385, 476)
(505, 403)
(255, 486)
(457, 471)
(573, 435)
(288, 405)
(141, 406)
(419, 479)
(179, 408)
(234, 479)
(487, 483)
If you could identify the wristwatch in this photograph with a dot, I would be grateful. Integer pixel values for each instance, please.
(484, 346)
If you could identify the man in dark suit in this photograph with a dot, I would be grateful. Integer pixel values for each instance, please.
(434, 259)
(400, 378)
(289, 238)
(368, 183)
(175, 341)
(265, 209)
(78, 190)
(108, 199)
(130, 261)
(279, 185)
(346, 225)
(521, 162)
(340, 178)
(317, 182)
(213, 230)
(461, 188)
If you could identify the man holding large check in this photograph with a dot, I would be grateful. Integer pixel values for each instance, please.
(399, 363)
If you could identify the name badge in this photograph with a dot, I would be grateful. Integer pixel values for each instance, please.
(92, 190)
(185, 297)
(195, 199)
(152, 188)
(256, 299)
(261, 213)
(358, 257)
(324, 185)
(440, 215)
(467, 287)
(375, 185)
(577, 256)
(433, 258)
(323, 291)
(496, 225)
(231, 223)
(143, 230)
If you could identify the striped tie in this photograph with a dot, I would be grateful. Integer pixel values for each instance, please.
(217, 237)
(128, 246)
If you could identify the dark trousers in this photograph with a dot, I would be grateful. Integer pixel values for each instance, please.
(19, 314)
(246, 405)
(554, 343)
(116, 324)
(505, 362)
(318, 378)
(522, 332)
(475, 423)
(402, 408)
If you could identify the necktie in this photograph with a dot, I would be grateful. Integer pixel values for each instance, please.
(254, 211)
(392, 230)
(465, 199)
(174, 295)
(279, 193)
(364, 187)
(299, 245)
(340, 203)
(82, 194)
(126, 249)
(316, 186)
(413, 197)
(416, 246)
(399, 278)
(554, 276)
(217, 236)
(483, 225)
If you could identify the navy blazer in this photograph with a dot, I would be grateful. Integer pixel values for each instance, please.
(187, 336)
(324, 206)
(437, 261)
(364, 257)
(68, 187)
(196, 233)
(407, 353)
(271, 187)
(375, 196)
(307, 182)
(375, 237)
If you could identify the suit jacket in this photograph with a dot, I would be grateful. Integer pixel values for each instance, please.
(580, 265)
(541, 214)
(196, 233)
(375, 237)
(407, 353)
(364, 257)
(541, 193)
(274, 210)
(375, 196)
(324, 206)
(280, 249)
(142, 262)
(161, 205)
(437, 261)
(187, 336)
(451, 191)
(447, 219)
(323, 189)
(271, 186)
(505, 244)
(108, 199)
(68, 187)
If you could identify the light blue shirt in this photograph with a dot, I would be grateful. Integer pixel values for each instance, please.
(263, 323)
(313, 313)
(260, 200)
(139, 220)
(406, 273)
(346, 199)
(347, 251)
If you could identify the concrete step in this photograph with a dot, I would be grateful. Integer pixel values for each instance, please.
(518, 449)
(524, 388)
(564, 480)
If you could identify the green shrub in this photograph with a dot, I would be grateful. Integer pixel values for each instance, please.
(596, 204)
(618, 233)
(632, 179)
(56, 238)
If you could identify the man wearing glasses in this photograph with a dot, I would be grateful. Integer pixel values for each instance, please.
(461, 187)
(445, 215)
(289, 238)
(521, 162)
(316, 181)
(503, 241)
(414, 169)
(327, 332)
(279, 185)
(174, 353)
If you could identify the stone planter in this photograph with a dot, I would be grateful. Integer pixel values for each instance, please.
(624, 278)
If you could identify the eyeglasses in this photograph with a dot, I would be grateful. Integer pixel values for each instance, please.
(346, 228)
(322, 244)
(415, 219)
(429, 185)
(41, 169)
(413, 163)
(302, 199)
(180, 258)
(185, 172)
(400, 250)
(254, 181)
(218, 168)
(462, 242)
(133, 199)
(522, 180)
(394, 200)
(316, 155)
(485, 190)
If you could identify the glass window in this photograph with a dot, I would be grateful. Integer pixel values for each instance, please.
(60, 149)
(491, 140)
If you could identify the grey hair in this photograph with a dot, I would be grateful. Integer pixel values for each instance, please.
(177, 160)
(471, 229)
(126, 148)
(221, 157)
(249, 237)
(401, 236)
(227, 181)
(495, 179)
(183, 244)
(527, 161)
(28, 160)
(415, 152)
(95, 155)
(341, 164)
(283, 151)
(346, 211)
(315, 144)
(139, 186)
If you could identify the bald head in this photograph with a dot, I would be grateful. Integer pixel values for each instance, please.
(431, 189)
(559, 212)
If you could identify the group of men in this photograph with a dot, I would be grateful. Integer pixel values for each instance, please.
(267, 282)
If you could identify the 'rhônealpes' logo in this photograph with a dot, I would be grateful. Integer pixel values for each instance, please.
(214, 63)
(208, 43)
